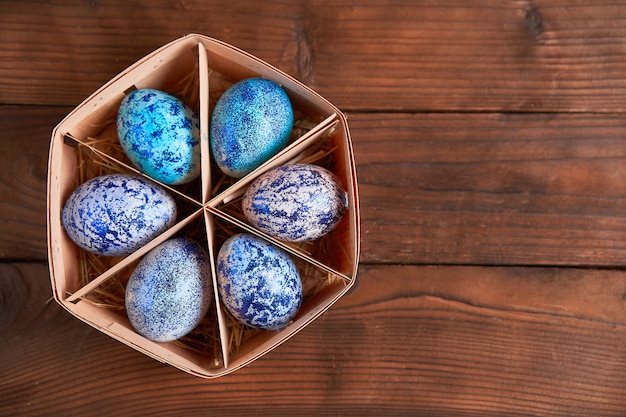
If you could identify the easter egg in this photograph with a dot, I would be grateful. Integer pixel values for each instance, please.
(116, 214)
(170, 290)
(160, 135)
(296, 202)
(258, 282)
(251, 122)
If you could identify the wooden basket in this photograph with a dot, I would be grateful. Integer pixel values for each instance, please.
(197, 69)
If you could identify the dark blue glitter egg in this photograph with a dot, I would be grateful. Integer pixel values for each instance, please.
(296, 202)
(116, 214)
(251, 122)
(170, 290)
(258, 282)
(160, 135)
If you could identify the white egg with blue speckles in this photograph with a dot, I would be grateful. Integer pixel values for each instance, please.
(296, 202)
(160, 135)
(170, 290)
(116, 214)
(258, 282)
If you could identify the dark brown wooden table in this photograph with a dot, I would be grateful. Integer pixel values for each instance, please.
(490, 141)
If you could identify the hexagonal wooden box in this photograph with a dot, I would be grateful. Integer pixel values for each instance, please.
(197, 69)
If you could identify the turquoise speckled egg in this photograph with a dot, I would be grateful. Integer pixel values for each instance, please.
(170, 290)
(258, 282)
(251, 122)
(160, 135)
(296, 202)
(116, 214)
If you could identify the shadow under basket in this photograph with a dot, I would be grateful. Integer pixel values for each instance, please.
(197, 70)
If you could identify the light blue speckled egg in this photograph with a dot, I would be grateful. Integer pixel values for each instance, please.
(170, 290)
(160, 135)
(258, 282)
(251, 122)
(295, 203)
(116, 214)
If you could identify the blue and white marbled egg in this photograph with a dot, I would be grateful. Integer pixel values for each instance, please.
(170, 290)
(258, 282)
(295, 203)
(160, 135)
(116, 214)
(251, 122)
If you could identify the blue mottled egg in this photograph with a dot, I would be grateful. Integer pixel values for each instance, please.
(251, 122)
(116, 214)
(258, 282)
(160, 135)
(295, 203)
(170, 290)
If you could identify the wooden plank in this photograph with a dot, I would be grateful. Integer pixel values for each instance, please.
(542, 189)
(408, 340)
(532, 189)
(24, 139)
(488, 55)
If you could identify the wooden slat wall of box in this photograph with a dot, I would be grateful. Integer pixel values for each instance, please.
(490, 143)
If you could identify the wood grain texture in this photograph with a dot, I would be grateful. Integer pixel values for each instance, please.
(514, 55)
(420, 341)
(527, 189)
(489, 140)
(24, 139)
